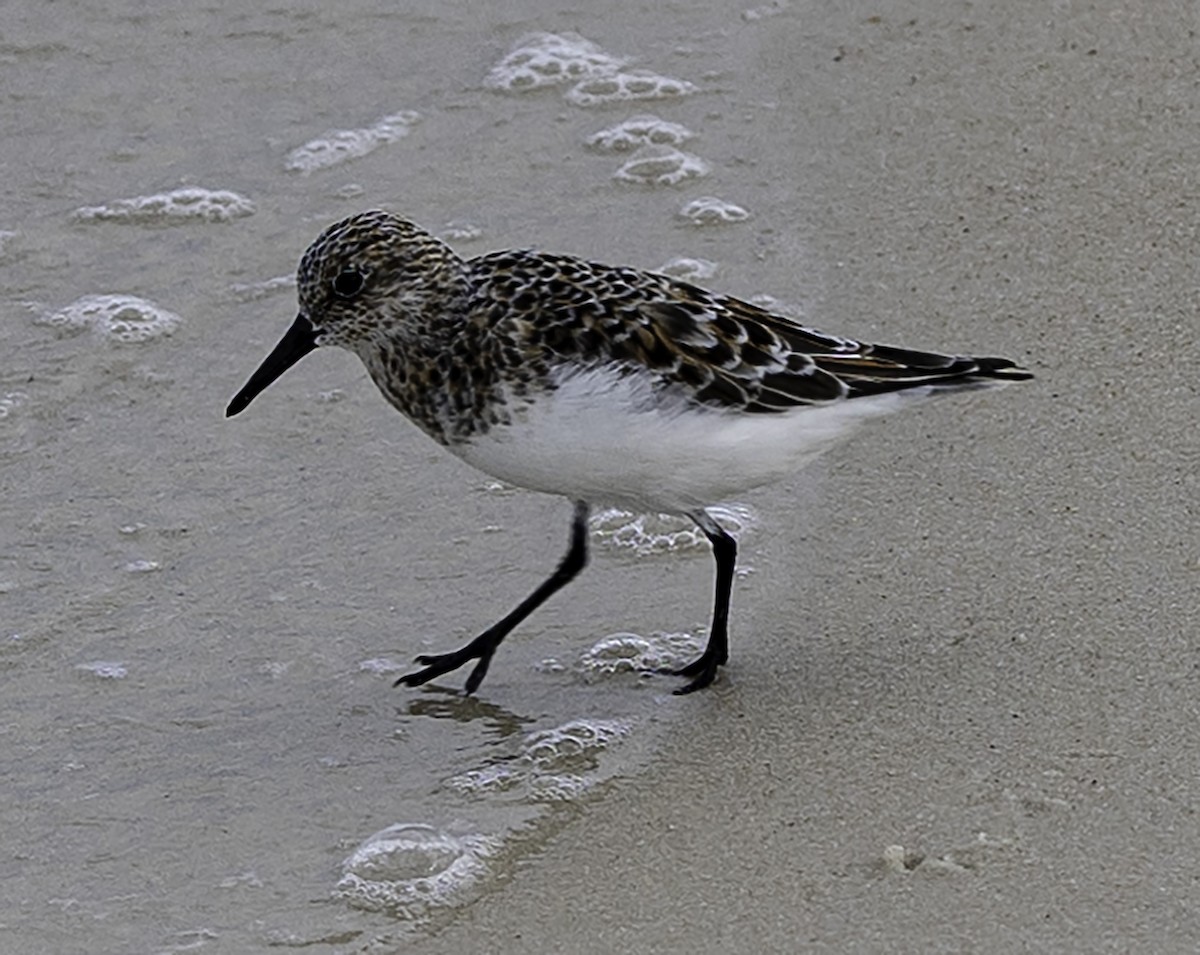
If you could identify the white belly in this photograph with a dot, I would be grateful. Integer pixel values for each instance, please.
(605, 438)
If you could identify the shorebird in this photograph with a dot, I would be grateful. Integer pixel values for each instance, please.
(598, 383)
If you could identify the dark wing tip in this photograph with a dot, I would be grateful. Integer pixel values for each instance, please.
(877, 369)
(1002, 369)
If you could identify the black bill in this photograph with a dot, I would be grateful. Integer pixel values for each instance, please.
(297, 342)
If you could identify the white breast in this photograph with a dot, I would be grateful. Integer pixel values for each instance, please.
(608, 438)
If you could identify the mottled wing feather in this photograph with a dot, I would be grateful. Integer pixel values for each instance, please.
(718, 350)
(737, 358)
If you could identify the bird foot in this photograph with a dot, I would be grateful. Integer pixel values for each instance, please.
(704, 670)
(436, 664)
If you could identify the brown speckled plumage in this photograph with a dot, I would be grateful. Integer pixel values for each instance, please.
(447, 339)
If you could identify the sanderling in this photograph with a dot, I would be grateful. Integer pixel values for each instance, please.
(595, 382)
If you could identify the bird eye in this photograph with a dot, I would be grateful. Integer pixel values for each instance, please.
(348, 283)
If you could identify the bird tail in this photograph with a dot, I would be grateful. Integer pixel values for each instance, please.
(1000, 369)
(877, 369)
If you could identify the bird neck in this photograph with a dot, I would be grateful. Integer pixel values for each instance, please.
(432, 374)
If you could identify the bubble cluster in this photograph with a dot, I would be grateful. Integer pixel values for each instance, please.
(11, 401)
(596, 77)
(572, 746)
(709, 210)
(179, 205)
(689, 269)
(627, 87)
(490, 780)
(645, 130)
(341, 145)
(119, 318)
(409, 871)
(631, 653)
(553, 765)
(645, 534)
(550, 59)
(661, 166)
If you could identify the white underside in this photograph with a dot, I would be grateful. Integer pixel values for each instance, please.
(605, 438)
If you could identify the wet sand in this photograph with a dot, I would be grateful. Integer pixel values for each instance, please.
(960, 710)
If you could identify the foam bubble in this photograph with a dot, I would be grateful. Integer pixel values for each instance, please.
(11, 401)
(661, 166)
(553, 765)
(275, 669)
(646, 534)
(787, 309)
(410, 871)
(119, 318)
(638, 131)
(497, 778)
(248, 878)
(627, 87)
(766, 11)
(381, 665)
(104, 669)
(573, 745)
(688, 269)
(709, 210)
(461, 232)
(560, 787)
(550, 59)
(342, 145)
(179, 205)
(631, 653)
(253, 291)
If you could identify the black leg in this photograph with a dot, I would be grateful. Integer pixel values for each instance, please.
(716, 651)
(484, 645)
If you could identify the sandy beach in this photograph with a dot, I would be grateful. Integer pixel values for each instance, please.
(961, 706)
